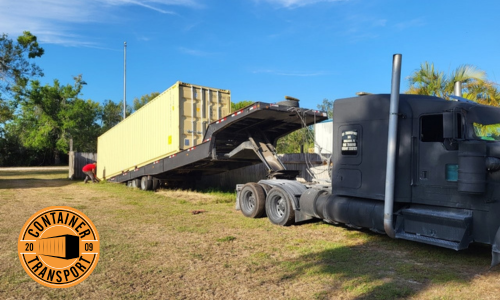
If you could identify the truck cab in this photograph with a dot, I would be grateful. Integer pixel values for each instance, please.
(447, 181)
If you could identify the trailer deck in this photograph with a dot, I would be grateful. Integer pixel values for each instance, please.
(241, 139)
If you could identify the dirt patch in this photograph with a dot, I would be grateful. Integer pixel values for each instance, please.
(189, 196)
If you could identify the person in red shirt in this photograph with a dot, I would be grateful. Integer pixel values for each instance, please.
(89, 170)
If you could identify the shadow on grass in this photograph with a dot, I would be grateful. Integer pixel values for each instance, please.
(34, 174)
(383, 268)
(25, 179)
(30, 183)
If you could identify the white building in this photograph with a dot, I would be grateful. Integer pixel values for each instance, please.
(323, 134)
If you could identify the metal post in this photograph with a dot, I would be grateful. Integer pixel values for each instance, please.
(390, 172)
(124, 79)
(458, 89)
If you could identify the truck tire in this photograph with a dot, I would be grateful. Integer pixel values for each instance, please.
(266, 187)
(146, 184)
(279, 210)
(252, 200)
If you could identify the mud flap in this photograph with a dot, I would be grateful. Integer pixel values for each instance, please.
(495, 250)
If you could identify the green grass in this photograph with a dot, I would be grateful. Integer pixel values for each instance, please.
(228, 238)
(153, 246)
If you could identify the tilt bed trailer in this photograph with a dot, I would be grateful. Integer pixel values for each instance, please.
(243, 138)
(419, 168)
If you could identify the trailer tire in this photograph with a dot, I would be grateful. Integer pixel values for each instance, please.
(135, 183)
(279, 209)
(156, 184)
(252, 200)
(146, 184)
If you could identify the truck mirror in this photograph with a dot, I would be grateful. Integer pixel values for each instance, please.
(448, 128)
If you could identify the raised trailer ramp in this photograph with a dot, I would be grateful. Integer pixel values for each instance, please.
(244, 138)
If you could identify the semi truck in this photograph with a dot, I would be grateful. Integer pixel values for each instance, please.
(414, 167)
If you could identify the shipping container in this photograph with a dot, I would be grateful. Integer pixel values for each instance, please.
(173, 121)
(63, 246)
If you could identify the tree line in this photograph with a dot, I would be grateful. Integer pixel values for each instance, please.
(38, 121)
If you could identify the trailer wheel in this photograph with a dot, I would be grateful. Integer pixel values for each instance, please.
(252, 200)
(156, 184)
(146, 184)
(135, 183)
(278, 207)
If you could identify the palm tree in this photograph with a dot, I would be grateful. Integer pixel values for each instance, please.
(475, 86)
(427, 81)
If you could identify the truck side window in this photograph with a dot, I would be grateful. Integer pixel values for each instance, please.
(431, 128)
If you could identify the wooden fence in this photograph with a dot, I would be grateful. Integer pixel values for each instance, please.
(76, 162)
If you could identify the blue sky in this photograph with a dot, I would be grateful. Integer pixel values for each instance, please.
(261, 50)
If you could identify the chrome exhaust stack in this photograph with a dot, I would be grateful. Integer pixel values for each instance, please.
(390, 172)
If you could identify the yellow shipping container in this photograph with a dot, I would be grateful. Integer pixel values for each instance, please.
(173, 121)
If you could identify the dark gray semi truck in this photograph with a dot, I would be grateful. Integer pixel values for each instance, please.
(419, 168)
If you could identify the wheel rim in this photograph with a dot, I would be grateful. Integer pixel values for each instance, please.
(278, 206)
(249, 201)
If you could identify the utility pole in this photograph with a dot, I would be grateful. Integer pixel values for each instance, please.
(124, 78)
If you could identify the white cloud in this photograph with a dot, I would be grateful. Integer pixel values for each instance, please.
(155, 5)
(295, 3)
(56, 21)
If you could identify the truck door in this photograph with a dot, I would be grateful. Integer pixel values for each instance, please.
(437, 166)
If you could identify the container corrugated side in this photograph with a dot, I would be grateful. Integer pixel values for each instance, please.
(173, 121)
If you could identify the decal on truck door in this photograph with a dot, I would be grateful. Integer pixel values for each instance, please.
(349, 142)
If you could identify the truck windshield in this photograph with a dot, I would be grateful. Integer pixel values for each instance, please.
(485, 122)
(489, 132)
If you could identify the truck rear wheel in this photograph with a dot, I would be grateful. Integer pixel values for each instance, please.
(266, 187)
(146, 184)
(278, 207)
(252, 200)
